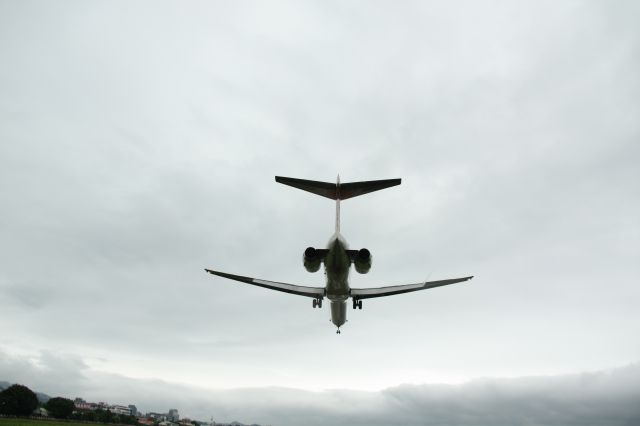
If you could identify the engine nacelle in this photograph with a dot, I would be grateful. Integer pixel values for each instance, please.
(311, 259)
(362, 261)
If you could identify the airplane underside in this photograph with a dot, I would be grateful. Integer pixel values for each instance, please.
(337, 258)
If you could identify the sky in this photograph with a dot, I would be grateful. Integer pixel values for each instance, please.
(139, 144)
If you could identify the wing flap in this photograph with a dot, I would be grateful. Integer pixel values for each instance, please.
(315, 292)
(367, 293)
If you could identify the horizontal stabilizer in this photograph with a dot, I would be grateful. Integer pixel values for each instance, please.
(338, 191)
(353, 189)
(325, 189)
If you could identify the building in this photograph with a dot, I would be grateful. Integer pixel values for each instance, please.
(157, 416)
(133, 409)
(173, 415)
(40, 412)
(83, 405)
(120, 409)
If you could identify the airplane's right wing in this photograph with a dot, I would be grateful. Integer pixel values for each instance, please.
(315, 292)
(367, 293)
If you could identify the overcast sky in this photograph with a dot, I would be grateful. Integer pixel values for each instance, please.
(138, 145)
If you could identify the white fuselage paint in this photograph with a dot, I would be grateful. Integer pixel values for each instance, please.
(336, 269)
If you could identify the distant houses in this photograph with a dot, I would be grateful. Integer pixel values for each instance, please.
(114, 413)
(170, 418)
(82, 405)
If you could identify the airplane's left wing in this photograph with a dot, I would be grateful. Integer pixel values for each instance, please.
(367, 293)
(315, 292)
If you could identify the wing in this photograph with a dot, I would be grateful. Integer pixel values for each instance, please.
(367, 293)
(315, 292)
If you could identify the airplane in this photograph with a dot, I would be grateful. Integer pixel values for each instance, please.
(337, 258)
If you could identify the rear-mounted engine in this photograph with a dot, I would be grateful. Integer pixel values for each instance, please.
(311, 259)
(362, 261)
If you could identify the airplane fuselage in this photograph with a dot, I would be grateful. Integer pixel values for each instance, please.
(336, 268)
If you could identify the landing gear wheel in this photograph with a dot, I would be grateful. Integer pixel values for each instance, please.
(355, 303)
(359, 304)
(315, 303)
(319, 303)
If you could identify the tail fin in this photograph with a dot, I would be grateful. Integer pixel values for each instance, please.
(338, 191)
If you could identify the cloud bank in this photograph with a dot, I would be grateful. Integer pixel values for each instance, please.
(595, 398)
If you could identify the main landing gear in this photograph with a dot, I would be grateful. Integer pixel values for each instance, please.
(357, 304)
(317, 303)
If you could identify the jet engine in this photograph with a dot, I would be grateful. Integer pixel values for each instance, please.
(362, 261)
(311, 259)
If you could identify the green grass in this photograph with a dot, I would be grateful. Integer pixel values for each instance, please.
(31, 422)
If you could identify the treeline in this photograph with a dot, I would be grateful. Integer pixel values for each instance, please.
(19, 400)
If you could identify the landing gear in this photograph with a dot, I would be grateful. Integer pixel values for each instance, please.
(338, 331)
(357, 304)
(317, 303)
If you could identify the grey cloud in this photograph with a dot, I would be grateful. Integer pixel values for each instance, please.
(596, 398)
(29, 294)
(589, 398)
(54, 374)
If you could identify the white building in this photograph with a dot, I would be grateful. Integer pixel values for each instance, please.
(120, 409)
